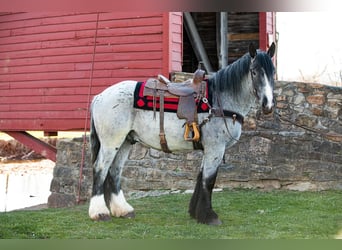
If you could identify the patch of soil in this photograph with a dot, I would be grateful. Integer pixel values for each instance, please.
(24, 167)
(12, 150)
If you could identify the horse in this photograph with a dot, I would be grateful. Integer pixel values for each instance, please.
(116, 125)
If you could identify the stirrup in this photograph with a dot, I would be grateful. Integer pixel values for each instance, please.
(187, 132)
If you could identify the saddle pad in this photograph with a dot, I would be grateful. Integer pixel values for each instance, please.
(170, 103)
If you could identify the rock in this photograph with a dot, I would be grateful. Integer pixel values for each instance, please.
(57, 200)
(316, 99)
(334, 137)
(189, 191)
(298, 99)
(302, 186)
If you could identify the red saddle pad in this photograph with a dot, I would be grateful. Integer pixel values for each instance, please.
(170, 103)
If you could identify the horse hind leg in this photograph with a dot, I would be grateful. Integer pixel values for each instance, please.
(98, 209)
(114, 196)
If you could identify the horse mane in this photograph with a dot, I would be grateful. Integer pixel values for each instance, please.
(265, 61)
(229, 78)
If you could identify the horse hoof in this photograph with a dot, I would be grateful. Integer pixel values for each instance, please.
(103, 217)
(130, 215)
(214, 222)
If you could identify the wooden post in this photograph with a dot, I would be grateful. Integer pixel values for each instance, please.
(223, 39)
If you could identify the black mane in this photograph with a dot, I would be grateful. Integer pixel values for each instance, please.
(229, 78)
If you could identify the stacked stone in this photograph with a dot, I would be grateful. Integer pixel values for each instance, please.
(274, 153)
(69, 186)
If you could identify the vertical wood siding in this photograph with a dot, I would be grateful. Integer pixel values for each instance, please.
(267, 29)
(45, 62)
(176, 43)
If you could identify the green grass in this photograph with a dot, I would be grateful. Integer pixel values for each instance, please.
(246, 214)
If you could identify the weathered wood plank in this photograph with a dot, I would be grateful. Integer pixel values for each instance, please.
(55, 124)
(62, 68)
(100, 57)
(246, 36)
(105, 48)
(79, 114)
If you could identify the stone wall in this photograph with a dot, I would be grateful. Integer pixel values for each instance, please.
(271, 153)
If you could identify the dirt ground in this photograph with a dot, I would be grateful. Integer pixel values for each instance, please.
(27, 166)
(12, 150)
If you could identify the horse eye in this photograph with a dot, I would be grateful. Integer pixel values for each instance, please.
(253, 72)
(255, 92)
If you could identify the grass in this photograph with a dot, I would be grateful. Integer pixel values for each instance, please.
(246, 214)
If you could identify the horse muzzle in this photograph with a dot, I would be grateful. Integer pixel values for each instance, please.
(267, 106)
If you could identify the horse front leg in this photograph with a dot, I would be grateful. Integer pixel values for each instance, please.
(200, 207)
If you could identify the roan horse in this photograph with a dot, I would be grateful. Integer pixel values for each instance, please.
(116, 125)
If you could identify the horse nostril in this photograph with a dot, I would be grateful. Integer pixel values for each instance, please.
(264, 102)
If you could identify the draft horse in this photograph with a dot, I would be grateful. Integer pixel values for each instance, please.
(116, 125)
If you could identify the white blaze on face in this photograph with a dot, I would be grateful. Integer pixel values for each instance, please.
(268, 93)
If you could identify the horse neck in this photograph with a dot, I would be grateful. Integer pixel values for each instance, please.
(242, 101)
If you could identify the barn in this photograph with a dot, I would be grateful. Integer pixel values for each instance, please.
(51, 64)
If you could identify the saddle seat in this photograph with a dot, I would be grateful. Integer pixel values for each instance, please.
(171, 89)
(187, 92)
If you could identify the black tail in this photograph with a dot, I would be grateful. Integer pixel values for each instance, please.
(94, 142)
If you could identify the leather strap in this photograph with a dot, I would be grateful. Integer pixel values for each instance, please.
(163, 142)
(229, 114)
(224, 113)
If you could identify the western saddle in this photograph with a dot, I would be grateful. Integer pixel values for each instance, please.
(187, 92)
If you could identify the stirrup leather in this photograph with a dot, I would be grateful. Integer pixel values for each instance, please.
(192, 127)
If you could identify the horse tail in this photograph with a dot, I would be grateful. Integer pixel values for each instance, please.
(94, 141)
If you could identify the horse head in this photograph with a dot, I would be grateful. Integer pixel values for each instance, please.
(262, 74)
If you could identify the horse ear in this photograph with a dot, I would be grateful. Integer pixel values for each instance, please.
(271, 50)
(252, 50)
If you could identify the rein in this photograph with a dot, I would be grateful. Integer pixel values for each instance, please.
(328, 136)
(298, 125)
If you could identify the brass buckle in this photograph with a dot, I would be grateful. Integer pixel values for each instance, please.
(234, 119)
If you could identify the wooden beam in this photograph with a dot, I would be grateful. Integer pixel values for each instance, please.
(50, 133)
(39, 146)
(243, 36)
(196, 41)
(223, 38)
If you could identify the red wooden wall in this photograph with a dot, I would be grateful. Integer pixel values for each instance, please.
(46, 60)
(267, 31)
